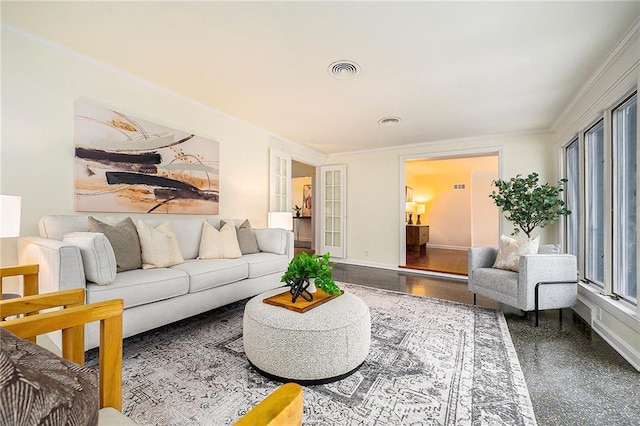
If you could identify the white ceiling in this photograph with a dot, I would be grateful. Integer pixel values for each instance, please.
(449, 70)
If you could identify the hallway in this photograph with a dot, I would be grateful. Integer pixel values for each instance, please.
(438, 260)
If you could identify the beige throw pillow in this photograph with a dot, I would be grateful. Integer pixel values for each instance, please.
(159, 246)
(510, 250)
(222, 244)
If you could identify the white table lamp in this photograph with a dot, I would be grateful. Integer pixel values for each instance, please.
(9, 216)
(420, 209)
(282, 220)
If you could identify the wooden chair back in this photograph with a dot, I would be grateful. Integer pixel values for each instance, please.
(71, 319)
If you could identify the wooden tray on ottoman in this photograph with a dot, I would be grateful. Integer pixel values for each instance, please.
(284, 300)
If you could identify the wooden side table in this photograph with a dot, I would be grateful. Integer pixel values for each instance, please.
(417, 237)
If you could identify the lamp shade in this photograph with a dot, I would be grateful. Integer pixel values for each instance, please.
(282, 220)
(420, 209)
(409, 207)
(9, 216)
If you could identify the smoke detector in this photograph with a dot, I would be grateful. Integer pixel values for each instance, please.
(344, 69)
(389, 121)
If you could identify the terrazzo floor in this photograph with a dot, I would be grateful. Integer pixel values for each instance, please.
(574, 377)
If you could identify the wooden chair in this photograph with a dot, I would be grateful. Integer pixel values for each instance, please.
(71, 320)
(283, 407)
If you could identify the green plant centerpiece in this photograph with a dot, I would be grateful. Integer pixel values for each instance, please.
(528, 204)
(303, 268)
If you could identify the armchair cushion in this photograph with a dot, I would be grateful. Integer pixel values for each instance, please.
(38, 387)
(510, 250)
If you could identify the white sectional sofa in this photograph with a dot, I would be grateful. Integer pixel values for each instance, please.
(158, 296)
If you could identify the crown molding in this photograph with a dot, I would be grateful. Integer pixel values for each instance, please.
(623, 45)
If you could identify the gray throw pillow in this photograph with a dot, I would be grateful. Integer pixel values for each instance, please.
(246, 237)
(124, 241)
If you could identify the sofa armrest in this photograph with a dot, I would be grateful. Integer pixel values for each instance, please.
(275, 240)
(481, 257)
(60, 263)
(535, 268)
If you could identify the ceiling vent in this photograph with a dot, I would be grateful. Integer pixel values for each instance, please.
(344, 69)
(389, 121)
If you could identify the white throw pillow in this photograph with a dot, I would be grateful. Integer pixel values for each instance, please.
(98, 258)
(510, 250)
(159, 246)
(222, 244)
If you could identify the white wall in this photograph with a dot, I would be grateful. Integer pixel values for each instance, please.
(448, 214)
(40, 84)
(375, 193)
(485, 215)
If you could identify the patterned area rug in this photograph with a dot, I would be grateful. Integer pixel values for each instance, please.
(432, 362)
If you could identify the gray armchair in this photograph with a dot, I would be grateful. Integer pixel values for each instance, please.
(546, 280)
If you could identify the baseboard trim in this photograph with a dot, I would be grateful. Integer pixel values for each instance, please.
(440, 246)
(627, 352)
(399, 269)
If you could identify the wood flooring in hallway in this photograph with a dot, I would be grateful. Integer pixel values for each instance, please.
(438, 260)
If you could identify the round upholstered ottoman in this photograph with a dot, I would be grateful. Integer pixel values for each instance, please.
(324, 344)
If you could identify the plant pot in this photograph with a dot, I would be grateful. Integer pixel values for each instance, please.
(312, 286)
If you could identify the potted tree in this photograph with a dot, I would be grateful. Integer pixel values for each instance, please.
(308, 272)
(527, 204)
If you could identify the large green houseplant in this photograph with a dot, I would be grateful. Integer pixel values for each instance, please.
(528, 204)
(305, 267)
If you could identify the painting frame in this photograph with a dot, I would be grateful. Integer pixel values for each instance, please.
(307, 200)
(125, 164)
(408, 194)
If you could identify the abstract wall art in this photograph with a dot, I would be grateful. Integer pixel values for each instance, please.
(306, 200)
(125, 164)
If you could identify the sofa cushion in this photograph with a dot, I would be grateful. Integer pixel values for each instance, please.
(141, 286)
(98, 258)
(261, 264)
(209, 273)
(510, 250)
(219, 244)
(159, 246)
(124, 240)
(272, 240)
(247, 238)
(499, 280)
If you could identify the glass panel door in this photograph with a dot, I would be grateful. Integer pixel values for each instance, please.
(280, 181)
(333, 190)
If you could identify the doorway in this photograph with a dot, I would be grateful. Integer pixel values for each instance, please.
(303, 181)
(448, 210)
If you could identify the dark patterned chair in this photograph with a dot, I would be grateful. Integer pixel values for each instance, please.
(39, 387)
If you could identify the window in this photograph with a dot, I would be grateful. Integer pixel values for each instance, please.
(601, 167)
(573, 198)
(594, 204)
(625, 255)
